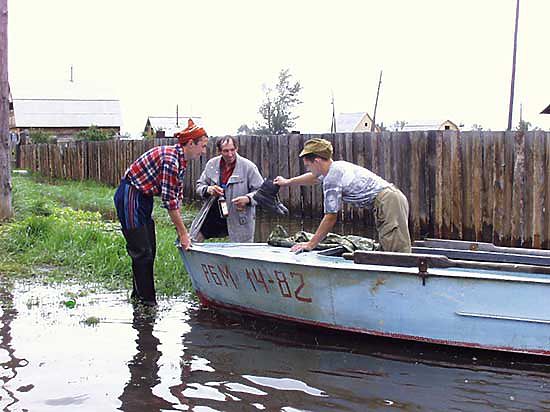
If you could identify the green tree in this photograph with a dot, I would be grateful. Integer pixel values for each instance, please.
(40, 136)
(279, 102)
(399, 125)
(525, 126)
(94, 133)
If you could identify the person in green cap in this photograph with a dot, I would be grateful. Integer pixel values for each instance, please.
(346, 182)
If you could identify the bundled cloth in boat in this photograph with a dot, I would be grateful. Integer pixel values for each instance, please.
(350, 243)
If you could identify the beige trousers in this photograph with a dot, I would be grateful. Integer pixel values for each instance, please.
(391, 215)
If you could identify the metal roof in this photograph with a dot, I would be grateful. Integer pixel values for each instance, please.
(414, 126)
(66, 113)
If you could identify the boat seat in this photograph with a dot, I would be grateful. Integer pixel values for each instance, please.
(481, 256)
(478, 247)
(425, 260)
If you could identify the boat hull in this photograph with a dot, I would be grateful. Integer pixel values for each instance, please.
(481, 309)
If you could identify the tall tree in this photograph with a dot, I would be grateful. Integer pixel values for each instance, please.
(279, 102)
(5, 155)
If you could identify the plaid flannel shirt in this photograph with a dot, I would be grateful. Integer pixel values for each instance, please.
(160, 171)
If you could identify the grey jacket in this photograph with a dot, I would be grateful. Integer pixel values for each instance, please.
(245, 180)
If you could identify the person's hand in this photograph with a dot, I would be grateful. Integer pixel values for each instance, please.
(240, 202)
(281, 181)
(185, 240)
(301, 247)
(215, 190)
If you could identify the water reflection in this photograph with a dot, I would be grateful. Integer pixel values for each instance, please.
(257, 364)
(181, 357)
(9, 362)
(144, 366)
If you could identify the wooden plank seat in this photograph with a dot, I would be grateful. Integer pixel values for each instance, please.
(477, 246)
(481, 256)
(424, 261)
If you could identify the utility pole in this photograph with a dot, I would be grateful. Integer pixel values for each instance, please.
(511, 106)
(5, 149)
(333, 124)
(373, 125)
(520, 113)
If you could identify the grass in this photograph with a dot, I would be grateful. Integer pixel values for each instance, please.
(67, 228)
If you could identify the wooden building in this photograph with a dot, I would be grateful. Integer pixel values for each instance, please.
(63, 112)
(419, 126)
(354, 122)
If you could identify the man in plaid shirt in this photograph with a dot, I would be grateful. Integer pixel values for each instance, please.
(157, 172)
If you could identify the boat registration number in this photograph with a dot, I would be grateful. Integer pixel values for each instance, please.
(289, 285)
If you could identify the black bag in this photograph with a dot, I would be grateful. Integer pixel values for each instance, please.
(267, 197)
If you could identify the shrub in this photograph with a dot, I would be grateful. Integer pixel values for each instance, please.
(40, 136)
(94, 133)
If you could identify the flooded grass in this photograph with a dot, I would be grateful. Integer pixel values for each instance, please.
(91, 321)
(60, 232)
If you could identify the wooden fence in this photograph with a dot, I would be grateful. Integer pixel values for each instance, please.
(484, 186)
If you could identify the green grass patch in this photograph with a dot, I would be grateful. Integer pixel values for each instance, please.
(91, 321)
(62, 226)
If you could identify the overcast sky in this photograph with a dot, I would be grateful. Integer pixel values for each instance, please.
(441, 59)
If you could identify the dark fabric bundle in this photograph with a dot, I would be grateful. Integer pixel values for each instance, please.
(267, 197)
(350, 243)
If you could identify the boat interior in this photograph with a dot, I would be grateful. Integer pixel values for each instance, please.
(443, 253)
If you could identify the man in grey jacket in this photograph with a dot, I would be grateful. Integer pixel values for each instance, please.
(232, 179)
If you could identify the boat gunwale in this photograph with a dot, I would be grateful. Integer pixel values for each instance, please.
(449, 272)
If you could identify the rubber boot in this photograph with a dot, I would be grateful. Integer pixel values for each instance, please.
(141, 246)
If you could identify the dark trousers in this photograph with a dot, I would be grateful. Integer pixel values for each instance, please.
(134, 213)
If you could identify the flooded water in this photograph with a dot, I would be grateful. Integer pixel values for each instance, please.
(67, 347)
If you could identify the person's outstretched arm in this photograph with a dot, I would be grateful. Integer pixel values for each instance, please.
(307, 179)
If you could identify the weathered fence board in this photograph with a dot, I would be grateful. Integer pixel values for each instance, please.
(295, 145)
(539, 190)
(499, 215)
(546, 184)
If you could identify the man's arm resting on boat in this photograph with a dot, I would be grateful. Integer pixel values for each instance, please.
(183, 236)
(326, 225)
(307, 179)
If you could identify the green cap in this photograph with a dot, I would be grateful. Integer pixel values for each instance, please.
(320, 147)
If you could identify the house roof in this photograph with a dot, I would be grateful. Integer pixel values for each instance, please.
(48, 112)
(414, 126)
(172, 124)
(546, 111)
(347, 122)
(66, 104)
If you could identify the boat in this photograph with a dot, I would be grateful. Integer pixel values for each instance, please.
(447, 292)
